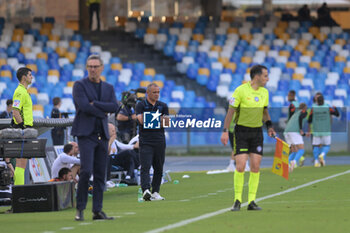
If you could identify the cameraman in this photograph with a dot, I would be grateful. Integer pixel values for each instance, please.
(6, 175)
(126, 119)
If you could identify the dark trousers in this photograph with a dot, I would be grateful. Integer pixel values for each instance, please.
(94, 7)
(124, 159)
(57, 138)
(93, 159)
(152, 154)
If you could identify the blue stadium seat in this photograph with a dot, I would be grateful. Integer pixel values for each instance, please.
(178, 56)
(34, 99)
(159, 77)
(47, 110)
(211, 85)
(49, 20)
(6, 67)
(168, 50)
(294, 85)
(302, 30)
(192, 70)
(270, 36)
(202, 79)
(147, 78)
(140, 32)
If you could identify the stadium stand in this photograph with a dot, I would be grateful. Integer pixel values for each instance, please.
(300, 56)
(188, 59)
(57, 57)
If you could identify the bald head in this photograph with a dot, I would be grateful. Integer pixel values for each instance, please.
(75, 148)
(111, 129)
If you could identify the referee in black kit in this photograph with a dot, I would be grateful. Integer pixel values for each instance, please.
(152, 141)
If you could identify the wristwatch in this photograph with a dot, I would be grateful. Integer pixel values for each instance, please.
(225, 130)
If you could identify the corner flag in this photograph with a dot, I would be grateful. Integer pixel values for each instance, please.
(280, 161)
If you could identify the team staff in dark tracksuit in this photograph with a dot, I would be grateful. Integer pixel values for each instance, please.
(93, 99)
(152, 143)
(57, 133)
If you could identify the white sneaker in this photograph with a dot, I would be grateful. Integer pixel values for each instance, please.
(156, 197)
(321, 159)
(292, 165)
(110, 184)
(317, 164)
(231, 168)
(147, 195)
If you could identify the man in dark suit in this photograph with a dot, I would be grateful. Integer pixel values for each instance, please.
(93, 99)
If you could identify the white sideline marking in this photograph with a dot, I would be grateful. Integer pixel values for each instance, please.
(212, 214)
(85, 223)
(129, 213)
(67, 228)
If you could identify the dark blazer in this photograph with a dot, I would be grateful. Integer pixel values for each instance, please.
(83, 94)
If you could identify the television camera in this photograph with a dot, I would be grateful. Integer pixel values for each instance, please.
(129, 98)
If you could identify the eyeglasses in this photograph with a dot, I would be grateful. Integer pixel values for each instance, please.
(93, 67)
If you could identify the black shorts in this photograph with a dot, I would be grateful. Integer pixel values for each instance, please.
(230, 136)
(248, 140)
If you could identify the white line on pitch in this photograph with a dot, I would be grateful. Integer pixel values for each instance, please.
(212, 214)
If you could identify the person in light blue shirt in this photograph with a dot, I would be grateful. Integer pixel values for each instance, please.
(320, 118)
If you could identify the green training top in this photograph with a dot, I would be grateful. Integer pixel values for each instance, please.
(249, 104)
(321, 120)
(293, 123)
(296, 105)
(23, 103)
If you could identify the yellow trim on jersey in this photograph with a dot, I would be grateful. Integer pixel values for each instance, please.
(249, 104)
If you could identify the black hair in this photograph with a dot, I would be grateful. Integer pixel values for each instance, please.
(9, 102)
(256, 70)
(56, 101)
(320, 100)
(23, 71)
(292, 92)
(63, 171)
(67, 148)
(317, 94)
(302, 105)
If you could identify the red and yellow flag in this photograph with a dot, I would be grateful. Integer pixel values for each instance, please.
(280, 161)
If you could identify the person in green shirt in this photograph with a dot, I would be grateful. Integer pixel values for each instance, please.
(294, 133)
(291, 109)
(293, 103)
(249, 106)
(320, 118)
(22, 110)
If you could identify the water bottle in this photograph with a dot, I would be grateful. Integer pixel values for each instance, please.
(140, 195)
(138, 176)
(121, 185)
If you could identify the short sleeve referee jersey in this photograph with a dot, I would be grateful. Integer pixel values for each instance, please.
(249, 104)
(23, 103)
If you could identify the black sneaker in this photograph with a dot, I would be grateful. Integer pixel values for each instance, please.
(236, 206)
(253, 206)
(101, 216)
(147, 195)
(79, 216)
